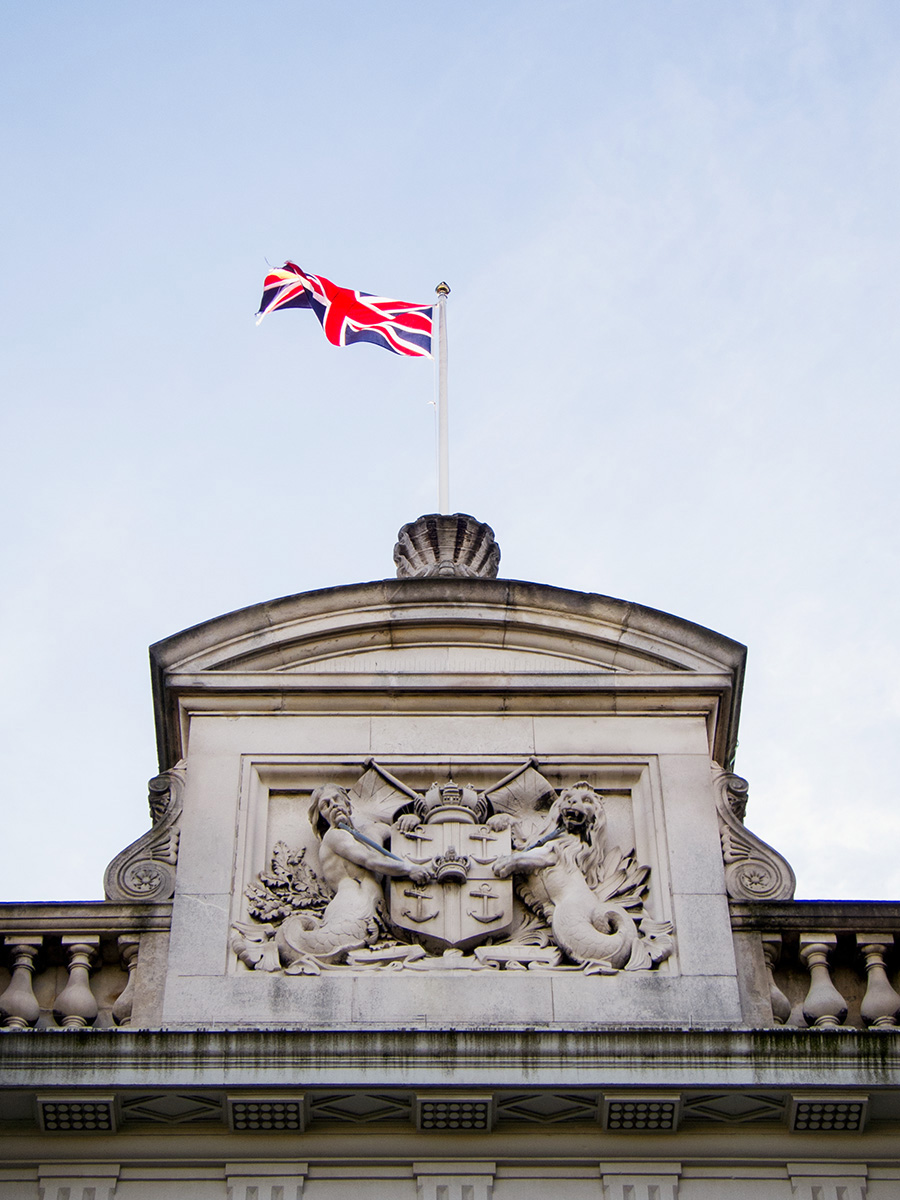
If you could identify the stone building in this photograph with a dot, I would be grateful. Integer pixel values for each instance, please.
(448, 895)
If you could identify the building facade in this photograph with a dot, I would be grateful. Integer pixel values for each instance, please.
(448, 895)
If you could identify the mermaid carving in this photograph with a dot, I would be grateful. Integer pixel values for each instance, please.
(353, 860)
(577, 902)
(593, 899)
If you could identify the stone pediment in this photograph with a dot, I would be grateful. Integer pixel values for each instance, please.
(440, 625)
(464, 633)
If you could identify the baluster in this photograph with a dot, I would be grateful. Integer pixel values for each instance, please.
(824, 1005)
(75, 1005)
(881, 1004)
(797, 1019)
(781, 1006)
(18, 1004)
(121, 1010)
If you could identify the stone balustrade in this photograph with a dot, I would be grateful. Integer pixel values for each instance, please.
(802, 963)
(73, 965)
(827, 963)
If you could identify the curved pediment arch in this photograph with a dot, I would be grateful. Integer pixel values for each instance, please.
(493, 632)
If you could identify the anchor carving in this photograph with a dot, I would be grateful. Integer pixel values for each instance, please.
(485, 895)
(418, 916)
(484, 837)
(463, 902)
(419, 837)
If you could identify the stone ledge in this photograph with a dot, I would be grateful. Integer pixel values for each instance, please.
(833, 916)
(84, 916)
(649, 1057)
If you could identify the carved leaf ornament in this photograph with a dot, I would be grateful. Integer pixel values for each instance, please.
(289, 886)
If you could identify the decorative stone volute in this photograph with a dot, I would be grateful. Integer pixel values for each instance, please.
(442, 545)
(145, 870)
(753, 870)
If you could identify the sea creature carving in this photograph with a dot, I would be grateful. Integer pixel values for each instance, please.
(353, 860)
(406, 881)
(592, 898)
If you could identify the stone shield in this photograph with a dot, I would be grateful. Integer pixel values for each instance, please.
(464, 902)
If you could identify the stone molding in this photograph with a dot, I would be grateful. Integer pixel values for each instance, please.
(77, 1181)
(796, 916)
(580, 640)
(815, 1116)
(753, 869)
(455, 1180)
(652, 1058)
(265, 1181)
(640, 1181)
(145, 870)
(828, 1180)
(104, 917)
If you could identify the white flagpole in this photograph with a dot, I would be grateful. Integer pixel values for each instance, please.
(443, 291)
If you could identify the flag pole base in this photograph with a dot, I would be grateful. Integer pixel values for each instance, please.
(444, 545)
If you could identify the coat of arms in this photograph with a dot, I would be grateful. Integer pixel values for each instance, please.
(463, 902)
(519, 875)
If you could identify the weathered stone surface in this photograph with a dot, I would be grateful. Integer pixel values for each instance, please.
(530, 773)
(444, 546)
(145, 870)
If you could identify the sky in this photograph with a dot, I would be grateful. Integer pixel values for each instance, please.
(672, 234)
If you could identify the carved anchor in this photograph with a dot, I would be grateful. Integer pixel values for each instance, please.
(419, 837)
(485, 895)
(484, 837)
(418, 916)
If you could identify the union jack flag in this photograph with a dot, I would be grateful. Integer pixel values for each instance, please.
(348, 316)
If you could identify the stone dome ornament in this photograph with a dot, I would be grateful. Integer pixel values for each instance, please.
(444, 545)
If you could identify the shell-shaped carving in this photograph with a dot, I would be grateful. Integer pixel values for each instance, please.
(753, 870)
(145, 870)
(441, 545)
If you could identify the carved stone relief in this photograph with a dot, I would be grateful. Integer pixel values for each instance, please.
(445, 546)
(514, 877)
(753, 870)
(145, 870)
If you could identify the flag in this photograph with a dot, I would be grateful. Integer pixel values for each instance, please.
(348, 316)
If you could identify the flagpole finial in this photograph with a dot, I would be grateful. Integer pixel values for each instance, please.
(443, 289)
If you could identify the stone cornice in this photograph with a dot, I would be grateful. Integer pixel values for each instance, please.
(604, 638)
(832, 916)
(630, 1057)
(84, 916)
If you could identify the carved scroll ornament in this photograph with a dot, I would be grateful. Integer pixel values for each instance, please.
(145, 870)
(516, 877)
(753, 870)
